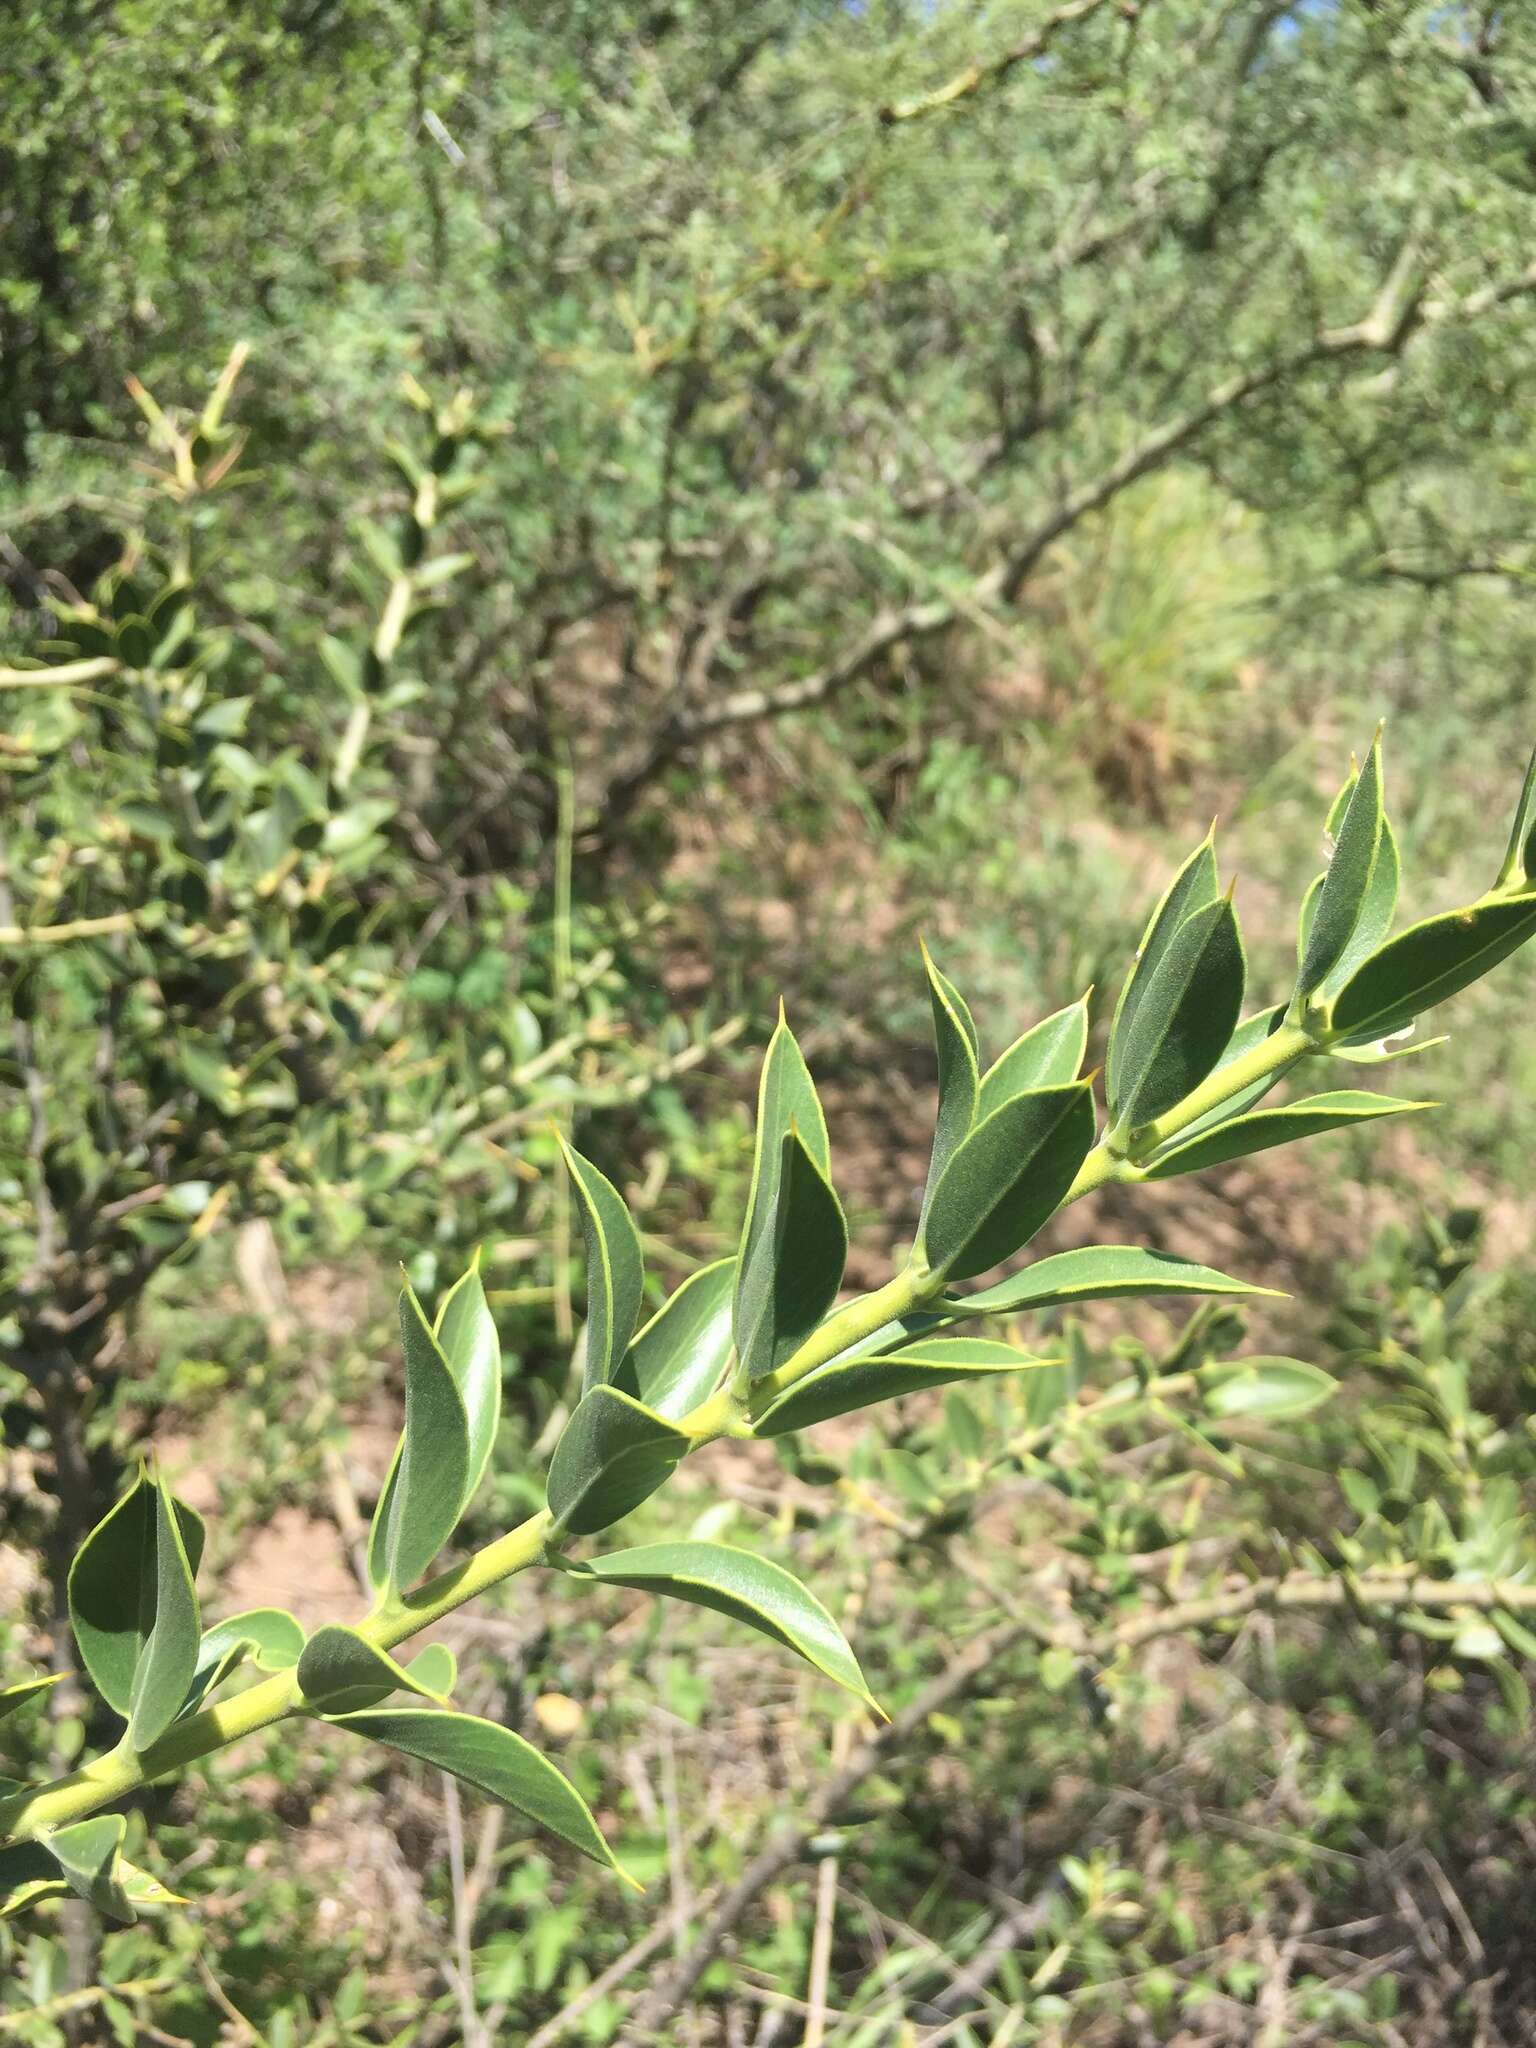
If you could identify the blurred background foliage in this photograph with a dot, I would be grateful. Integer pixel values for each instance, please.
(712, 492)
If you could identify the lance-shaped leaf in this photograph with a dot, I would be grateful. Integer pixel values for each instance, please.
(341, 1672)
(786, 1100)
(1257, 1132)
(494, 1760)
(1098, 1272)
(423, 1497)
(615, 1269)
(14, 1696)
(676, 1361)
(1185, 1018)
(1430, 961)
(750, 1588)
(1519, 865)
(1048, 1055)
(1007, 1178)
(114, 1594)
(1192, 888)
(795, 1272)
(849, 1384)
(28, 1875)
(1267, 1389)
(87, 1853)
(1349, 893)
(466, 1334)
(954, 1036)
(613, 1453)
(168, 1661)
(142, 1890)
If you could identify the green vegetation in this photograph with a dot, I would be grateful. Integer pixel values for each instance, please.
(527, 536)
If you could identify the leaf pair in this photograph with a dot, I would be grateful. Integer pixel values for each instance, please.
(1348, 911)
(452, 1407)
(133, 1606)
(86, 1859)
(1181, 1000)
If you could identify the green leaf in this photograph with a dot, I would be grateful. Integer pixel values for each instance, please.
(676, 1361)
(423, 1496)
(786, 1100)
(114, 1589)
(142, 1890)
(434, 1670)
(1047, 1056)
(1348, 893)
(1268, 1389)
(1520, 860)
(466, 1334)
(1243, 1135)
(168, 1661)
(14, 1696)
(272, 1638)
(750, 1588)
(1250, 1033)
(849, 1384)
(1100, 1272)
(955, 1039)
(615, 1269)
(28, 1875)
(341, 1672)
(1192, 888)
(1185, 1019)
(613, 1453)
(796, 1273)
(1430, 961)
(1008, 1178)
(494, 1760)
(87, 1853)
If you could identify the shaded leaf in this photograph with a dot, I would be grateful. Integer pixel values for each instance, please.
(676, 1361)
(1430, 961)
(740, 1583)
(1100, 1272)
(494, 1760)
(1048, 1055)
(422, 1498)
(341, 1672)
(1270, 1389)
(1250, 1033)
(28, 1875)
(1008, 1177)
(1243, 1135)
(14, 1696)
(954, 1036)
(1192, 888)
(114, 1588)
(1520, 858)
(1350, 880)
(613, 1453)
(1185, 1019)
(796, 1273)
(848, 1384)
(786, 1100)
(615, 1269)
(87, 1852)
(168, 1661)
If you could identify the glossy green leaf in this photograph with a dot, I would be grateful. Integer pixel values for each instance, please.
(1099, 1272)
(1267, 1389)
(423, 1496)
(615, 1269)
(1048, 1055)
(114, 1586)
(677, 1360)
(14, 1696)
(740, 1583)
(1008, 1178)
(1243, 1135)
(785, 1295)
(1185, 1019)
(1519, 864)
(1349, 890)
(341, 1672)
(786, 1100)
(466, 1334)
(87, 1853)
(613, 1453)
(494, 1760)
(1193, 888)
(849, 1384)
(28, 1875)
(954, 1036)
(1430, 961)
